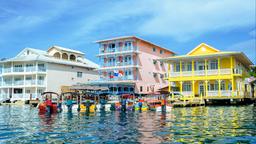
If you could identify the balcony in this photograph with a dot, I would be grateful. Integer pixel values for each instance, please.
(41, 82)
(30, 82)
(129, 77)
(18, 83)
(42, 69)
(117, 50)
(7, 70)
(20, 69)
(203, 72)
(30, 69)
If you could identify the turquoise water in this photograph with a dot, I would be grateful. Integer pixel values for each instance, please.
(22, 124)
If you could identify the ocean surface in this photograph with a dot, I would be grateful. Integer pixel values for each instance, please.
(220, 124)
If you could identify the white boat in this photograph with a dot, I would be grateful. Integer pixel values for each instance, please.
(168, 109)
(65, 108)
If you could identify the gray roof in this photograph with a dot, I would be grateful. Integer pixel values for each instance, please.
(66, 49)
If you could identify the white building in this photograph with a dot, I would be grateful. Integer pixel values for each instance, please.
(34, 71)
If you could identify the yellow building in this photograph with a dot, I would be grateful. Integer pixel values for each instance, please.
(208, 73)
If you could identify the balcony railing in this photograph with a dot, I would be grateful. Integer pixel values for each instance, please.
(18, 69)
(19, 82)
(41, 82)
(203, 73)
(118, 64)
(30, 82)
(23, 69)
(117, 49)
(130, 77)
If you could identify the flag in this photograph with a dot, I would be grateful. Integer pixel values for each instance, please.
(120, 73)
(116, 73)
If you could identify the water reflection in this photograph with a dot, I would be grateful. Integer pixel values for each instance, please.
(21, 124)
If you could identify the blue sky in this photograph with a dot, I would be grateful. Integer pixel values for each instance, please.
(174, 24)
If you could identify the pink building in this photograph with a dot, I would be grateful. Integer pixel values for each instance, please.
(128, 65)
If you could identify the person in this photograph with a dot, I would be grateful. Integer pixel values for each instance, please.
(163, 103)
(140, 104)
(69, 104)
(87, 104)
(123, 104)
(48, 103)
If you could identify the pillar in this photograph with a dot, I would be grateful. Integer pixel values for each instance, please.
(193, 68)
(206, 88)
(181, 87)
(232, 75)
(180, 68)
(193, 88)
(219, 92)
(218, 66)
(205, 66)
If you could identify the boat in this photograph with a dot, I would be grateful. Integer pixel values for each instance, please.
(156, 105)
(92, 107)
(53, 97)
(75, 97)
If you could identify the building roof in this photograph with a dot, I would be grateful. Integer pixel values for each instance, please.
(213, 54)
(40, 55)
(135, 37)
(65, 49)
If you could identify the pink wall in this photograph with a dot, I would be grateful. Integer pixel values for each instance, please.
(147, 55)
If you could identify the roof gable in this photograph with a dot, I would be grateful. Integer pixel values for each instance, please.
(203, 49)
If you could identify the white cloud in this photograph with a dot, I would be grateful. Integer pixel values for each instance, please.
(184, 20)
(247, 46)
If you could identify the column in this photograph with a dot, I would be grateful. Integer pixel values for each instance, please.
(193, 68)
(36, 95)
(24, 84)
(193, 88)
(181, 87)
(180, 68)
(218, 66)
(205, 66)
(206, 88)
(219, 92)
(232, 76)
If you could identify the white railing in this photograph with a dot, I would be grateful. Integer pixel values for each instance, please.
(187, 93)
(7, 83)
(199, 72)
(40, 82)
(213, 93)
(17, 96)
(41, 69)
(212, 72)
(30, 69)
(187, 73)
(175, 74)
(7, 70)
(20, 82)
(27, 95)
(225, 71)
(15, 69)
(30, 82)
(238, 71)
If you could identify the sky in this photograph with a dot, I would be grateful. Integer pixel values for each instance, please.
(228, 25)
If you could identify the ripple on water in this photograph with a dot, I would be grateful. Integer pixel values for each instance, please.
(22, 124)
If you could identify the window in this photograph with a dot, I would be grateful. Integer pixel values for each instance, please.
(154, 49)
(214, 64)
(79, 74)
(161, 51)
(189, 66)
(27, 91)
(186, 86)
(222, 86)
(147, 88)
(39, 91)
(141, 88)
(128, 44)
(177, 67)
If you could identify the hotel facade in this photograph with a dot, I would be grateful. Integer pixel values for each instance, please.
(34, 71)
(208, 73)
(128, 65)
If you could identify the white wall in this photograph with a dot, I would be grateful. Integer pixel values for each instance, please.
(64, 75)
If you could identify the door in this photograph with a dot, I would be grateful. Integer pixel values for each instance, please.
(201, 89)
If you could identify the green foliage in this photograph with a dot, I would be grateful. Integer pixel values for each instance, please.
(253, 71)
